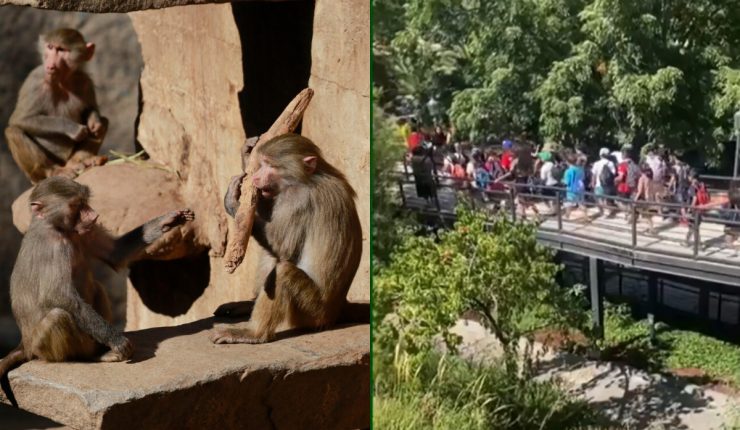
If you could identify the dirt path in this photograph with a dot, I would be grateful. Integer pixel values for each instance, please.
(635, 398)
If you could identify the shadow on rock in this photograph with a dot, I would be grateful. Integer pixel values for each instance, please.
(147, 341)
(171, 287)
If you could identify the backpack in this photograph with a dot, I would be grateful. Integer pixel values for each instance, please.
(482, 178)
(633, 174)
(458, 171)
(683, 176)
(580, 186)
(606, 177)
(524, 164)
(702, 194)
(558, 170)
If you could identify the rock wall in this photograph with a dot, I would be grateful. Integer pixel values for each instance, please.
(190, 120)
(338, 118)
(115, 69)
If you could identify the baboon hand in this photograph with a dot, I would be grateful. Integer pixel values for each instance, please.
(97, 128)
(233, 194)
(80, 134)
(247, 149)
(120, 350)
(175, 218)
(235, 189)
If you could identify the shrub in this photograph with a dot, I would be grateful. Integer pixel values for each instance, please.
(494, 267)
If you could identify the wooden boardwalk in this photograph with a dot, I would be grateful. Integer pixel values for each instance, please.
(609, 238)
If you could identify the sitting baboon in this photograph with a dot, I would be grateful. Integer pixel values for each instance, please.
(56, 128)
(62, 311)
(307, 221)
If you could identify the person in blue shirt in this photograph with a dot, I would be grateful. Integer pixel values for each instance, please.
(575, 185)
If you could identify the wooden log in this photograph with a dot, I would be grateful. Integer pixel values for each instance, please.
(244, 219)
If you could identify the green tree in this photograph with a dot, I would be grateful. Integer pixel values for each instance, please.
(578, 71)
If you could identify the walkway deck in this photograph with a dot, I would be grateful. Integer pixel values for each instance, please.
(608, 238)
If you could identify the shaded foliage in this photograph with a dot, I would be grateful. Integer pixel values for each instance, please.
(387, 150)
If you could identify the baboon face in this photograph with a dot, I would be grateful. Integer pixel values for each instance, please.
(285, 161)
(63, 203)
(267, 178)
(63, 52)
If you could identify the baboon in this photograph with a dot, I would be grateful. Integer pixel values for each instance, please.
(307, 222)
(56, 128)
(62, 312)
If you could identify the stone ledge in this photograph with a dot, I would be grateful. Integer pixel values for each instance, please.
(178, 379)
(118, 6)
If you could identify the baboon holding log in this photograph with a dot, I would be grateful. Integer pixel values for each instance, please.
(56, 128)
(307, 222)
(62, 312)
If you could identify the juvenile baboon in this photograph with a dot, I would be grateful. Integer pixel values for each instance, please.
(56, 128)
(62, 312)
(307, 222)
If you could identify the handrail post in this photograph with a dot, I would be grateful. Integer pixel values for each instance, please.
(697, 221)
(634, 224)
(559, 209)
(436, 199)
(512, 201)
(403, 195)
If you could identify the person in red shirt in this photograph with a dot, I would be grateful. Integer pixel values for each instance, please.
(414, 139)
(508, 156)
(627, 175)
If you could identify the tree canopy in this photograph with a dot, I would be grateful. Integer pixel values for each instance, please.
(575, 71)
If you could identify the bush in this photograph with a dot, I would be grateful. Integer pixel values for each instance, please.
(495, 268)
(627, 339)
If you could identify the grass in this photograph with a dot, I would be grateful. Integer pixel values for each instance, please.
(447, 392)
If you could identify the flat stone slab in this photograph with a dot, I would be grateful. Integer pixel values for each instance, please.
(117, 6)
(178, 379)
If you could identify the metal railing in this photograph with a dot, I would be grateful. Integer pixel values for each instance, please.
(509, 200)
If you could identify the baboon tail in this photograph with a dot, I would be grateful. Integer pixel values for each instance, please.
(10, 362)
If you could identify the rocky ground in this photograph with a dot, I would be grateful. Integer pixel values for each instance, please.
(635, 398)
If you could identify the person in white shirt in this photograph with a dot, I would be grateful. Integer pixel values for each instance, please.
(657, 165)
(470, 170)
(603, 190)
(547, 177)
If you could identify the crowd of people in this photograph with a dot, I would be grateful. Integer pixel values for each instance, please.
(609, 182)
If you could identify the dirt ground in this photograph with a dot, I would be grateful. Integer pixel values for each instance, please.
(631, 397)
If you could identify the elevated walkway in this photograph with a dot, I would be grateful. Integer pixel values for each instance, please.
(612, 239)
